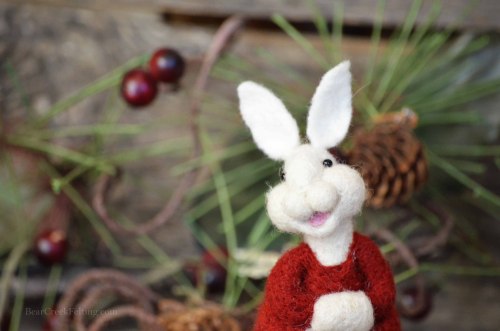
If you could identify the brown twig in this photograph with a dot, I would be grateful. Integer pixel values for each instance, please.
(130, 299)
(410, 259)
(221, 39)
(402, 249)
(100, 292)
(437, 241)
(120, 312)
(100, 277)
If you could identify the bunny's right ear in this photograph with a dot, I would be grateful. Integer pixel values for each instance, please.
(273, 129)
(331, 108)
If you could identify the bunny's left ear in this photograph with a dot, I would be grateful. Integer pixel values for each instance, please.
(273, 128)
(331, 109)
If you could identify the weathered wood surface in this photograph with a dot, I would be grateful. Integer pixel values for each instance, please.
(482, 14)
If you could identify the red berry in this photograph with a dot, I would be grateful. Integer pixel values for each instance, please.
(212, 277)
(411, 307)
(166, 65)
(51, 247)
(52, 321)
(209, 271)
(139, 88)
(214, 271)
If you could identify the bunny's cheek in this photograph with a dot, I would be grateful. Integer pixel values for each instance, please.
(349, 186)
(279, 218)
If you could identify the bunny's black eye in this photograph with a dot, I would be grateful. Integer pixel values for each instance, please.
(282, 174)
(327, 163)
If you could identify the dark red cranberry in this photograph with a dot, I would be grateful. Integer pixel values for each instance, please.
(212, 277)
(217, 256)
(52, 321)
(412, 307)
(214, 270)
(51, 247)
(209, 271)
(138, 88)
(167, 65)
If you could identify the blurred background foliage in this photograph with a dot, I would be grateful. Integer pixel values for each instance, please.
(437, 73)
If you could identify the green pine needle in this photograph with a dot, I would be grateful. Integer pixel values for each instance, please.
(301, 40)
(104, 83)
(452, 171)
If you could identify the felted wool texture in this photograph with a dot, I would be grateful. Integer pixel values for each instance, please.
(321, 196)
(274, 205)
(273, 129)
(331, 108)
(298, 280)
(311, 187)
(342, 311)
(350, 186)
(332, 249)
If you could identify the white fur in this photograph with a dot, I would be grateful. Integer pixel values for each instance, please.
(322, 196)
(343, 311)
(273, 128)
(310, 188)
(291, 203)
(350, 186)
(331, 110)
(332, 249)
(275, 202)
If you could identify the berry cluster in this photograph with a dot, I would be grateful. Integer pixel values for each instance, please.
(140, 86)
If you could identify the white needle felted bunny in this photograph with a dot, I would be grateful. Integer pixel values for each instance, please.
(337, 280)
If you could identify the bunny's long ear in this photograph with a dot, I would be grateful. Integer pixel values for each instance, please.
(273, 128)
(331, 109)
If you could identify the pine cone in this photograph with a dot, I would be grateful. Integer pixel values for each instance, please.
(390, 158)
(177, 317)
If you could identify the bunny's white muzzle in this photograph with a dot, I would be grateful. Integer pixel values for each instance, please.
(314, 197)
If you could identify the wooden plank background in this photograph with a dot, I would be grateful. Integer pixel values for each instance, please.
(482, 14)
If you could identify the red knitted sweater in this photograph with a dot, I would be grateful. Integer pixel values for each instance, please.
(298, 280)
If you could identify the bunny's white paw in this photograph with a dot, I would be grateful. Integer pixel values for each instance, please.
(343, 311)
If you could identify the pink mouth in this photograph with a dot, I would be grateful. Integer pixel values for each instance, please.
(318, 219)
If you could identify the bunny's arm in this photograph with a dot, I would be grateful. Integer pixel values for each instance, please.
(287, 305)
(380, 286)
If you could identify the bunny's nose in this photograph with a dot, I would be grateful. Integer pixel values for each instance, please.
(296, 206)
(322, 196)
